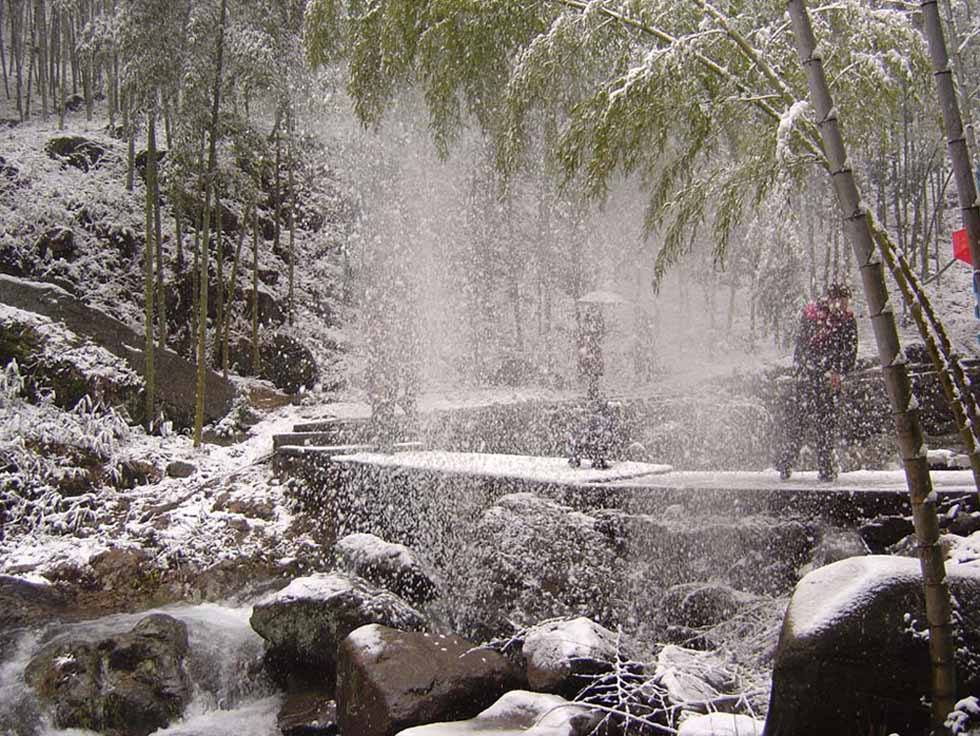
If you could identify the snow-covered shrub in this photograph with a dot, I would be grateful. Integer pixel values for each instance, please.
(53, 462)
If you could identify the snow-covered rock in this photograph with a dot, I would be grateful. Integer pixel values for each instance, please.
(720, 724)
(518, 713)
(392, 566)
(389, 680)
(853, 653)
(561, 655)
(694, 680)
(305, 622)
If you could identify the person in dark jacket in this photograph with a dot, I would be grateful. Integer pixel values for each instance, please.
(826, 349)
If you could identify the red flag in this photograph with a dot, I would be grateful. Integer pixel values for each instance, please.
(961, 246)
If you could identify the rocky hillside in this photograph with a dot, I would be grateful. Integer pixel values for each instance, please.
(67, 218)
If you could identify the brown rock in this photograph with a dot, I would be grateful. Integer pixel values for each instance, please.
(389, 680)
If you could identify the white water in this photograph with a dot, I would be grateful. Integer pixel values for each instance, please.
(231, 695)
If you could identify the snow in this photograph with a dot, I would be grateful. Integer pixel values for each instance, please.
(317, 587)
(367, 639)
(521, 467)
(363, 547)
(721, 724)
(829, 592)
(516, 713)
(856, 481)
(566, 640)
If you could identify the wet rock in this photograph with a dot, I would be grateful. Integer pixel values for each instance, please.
(131, 683)
(696, 681)
(884, 531)
(389, 565)
(305, 622)
(695, 605)
(76, 151)
(28, 603)
(562, 656)
(58, 242)
(180, 469)
(853, 655)
(389, 680)
(534, 559)
(519, 712)
(308, 714)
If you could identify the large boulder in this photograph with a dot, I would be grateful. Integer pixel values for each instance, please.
(305, 622)
(563, 656)
(519, 713)
(130, 684)
(27, 602)
(754, 553)
(175, 376)
(853, 653)
(75, 150)
(392, 566)
(693, 605)
(534, 559)
(389, 680)
(288, 364)
(58, 242)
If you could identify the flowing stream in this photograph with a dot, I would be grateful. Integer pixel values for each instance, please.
(231, 695)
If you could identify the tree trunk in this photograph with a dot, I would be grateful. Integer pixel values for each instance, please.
(292, 217)
(219, 262)
(3, 56)
(904, 406)
(148, 292)
(31, 62)
(63, 40)
(153, 185)
(43, 27)
(959, 154)
(16, 48)
(231, 295)
(212, 168)
(130, 126)
(255, 289)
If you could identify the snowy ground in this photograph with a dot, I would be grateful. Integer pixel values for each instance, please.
(201, 519)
